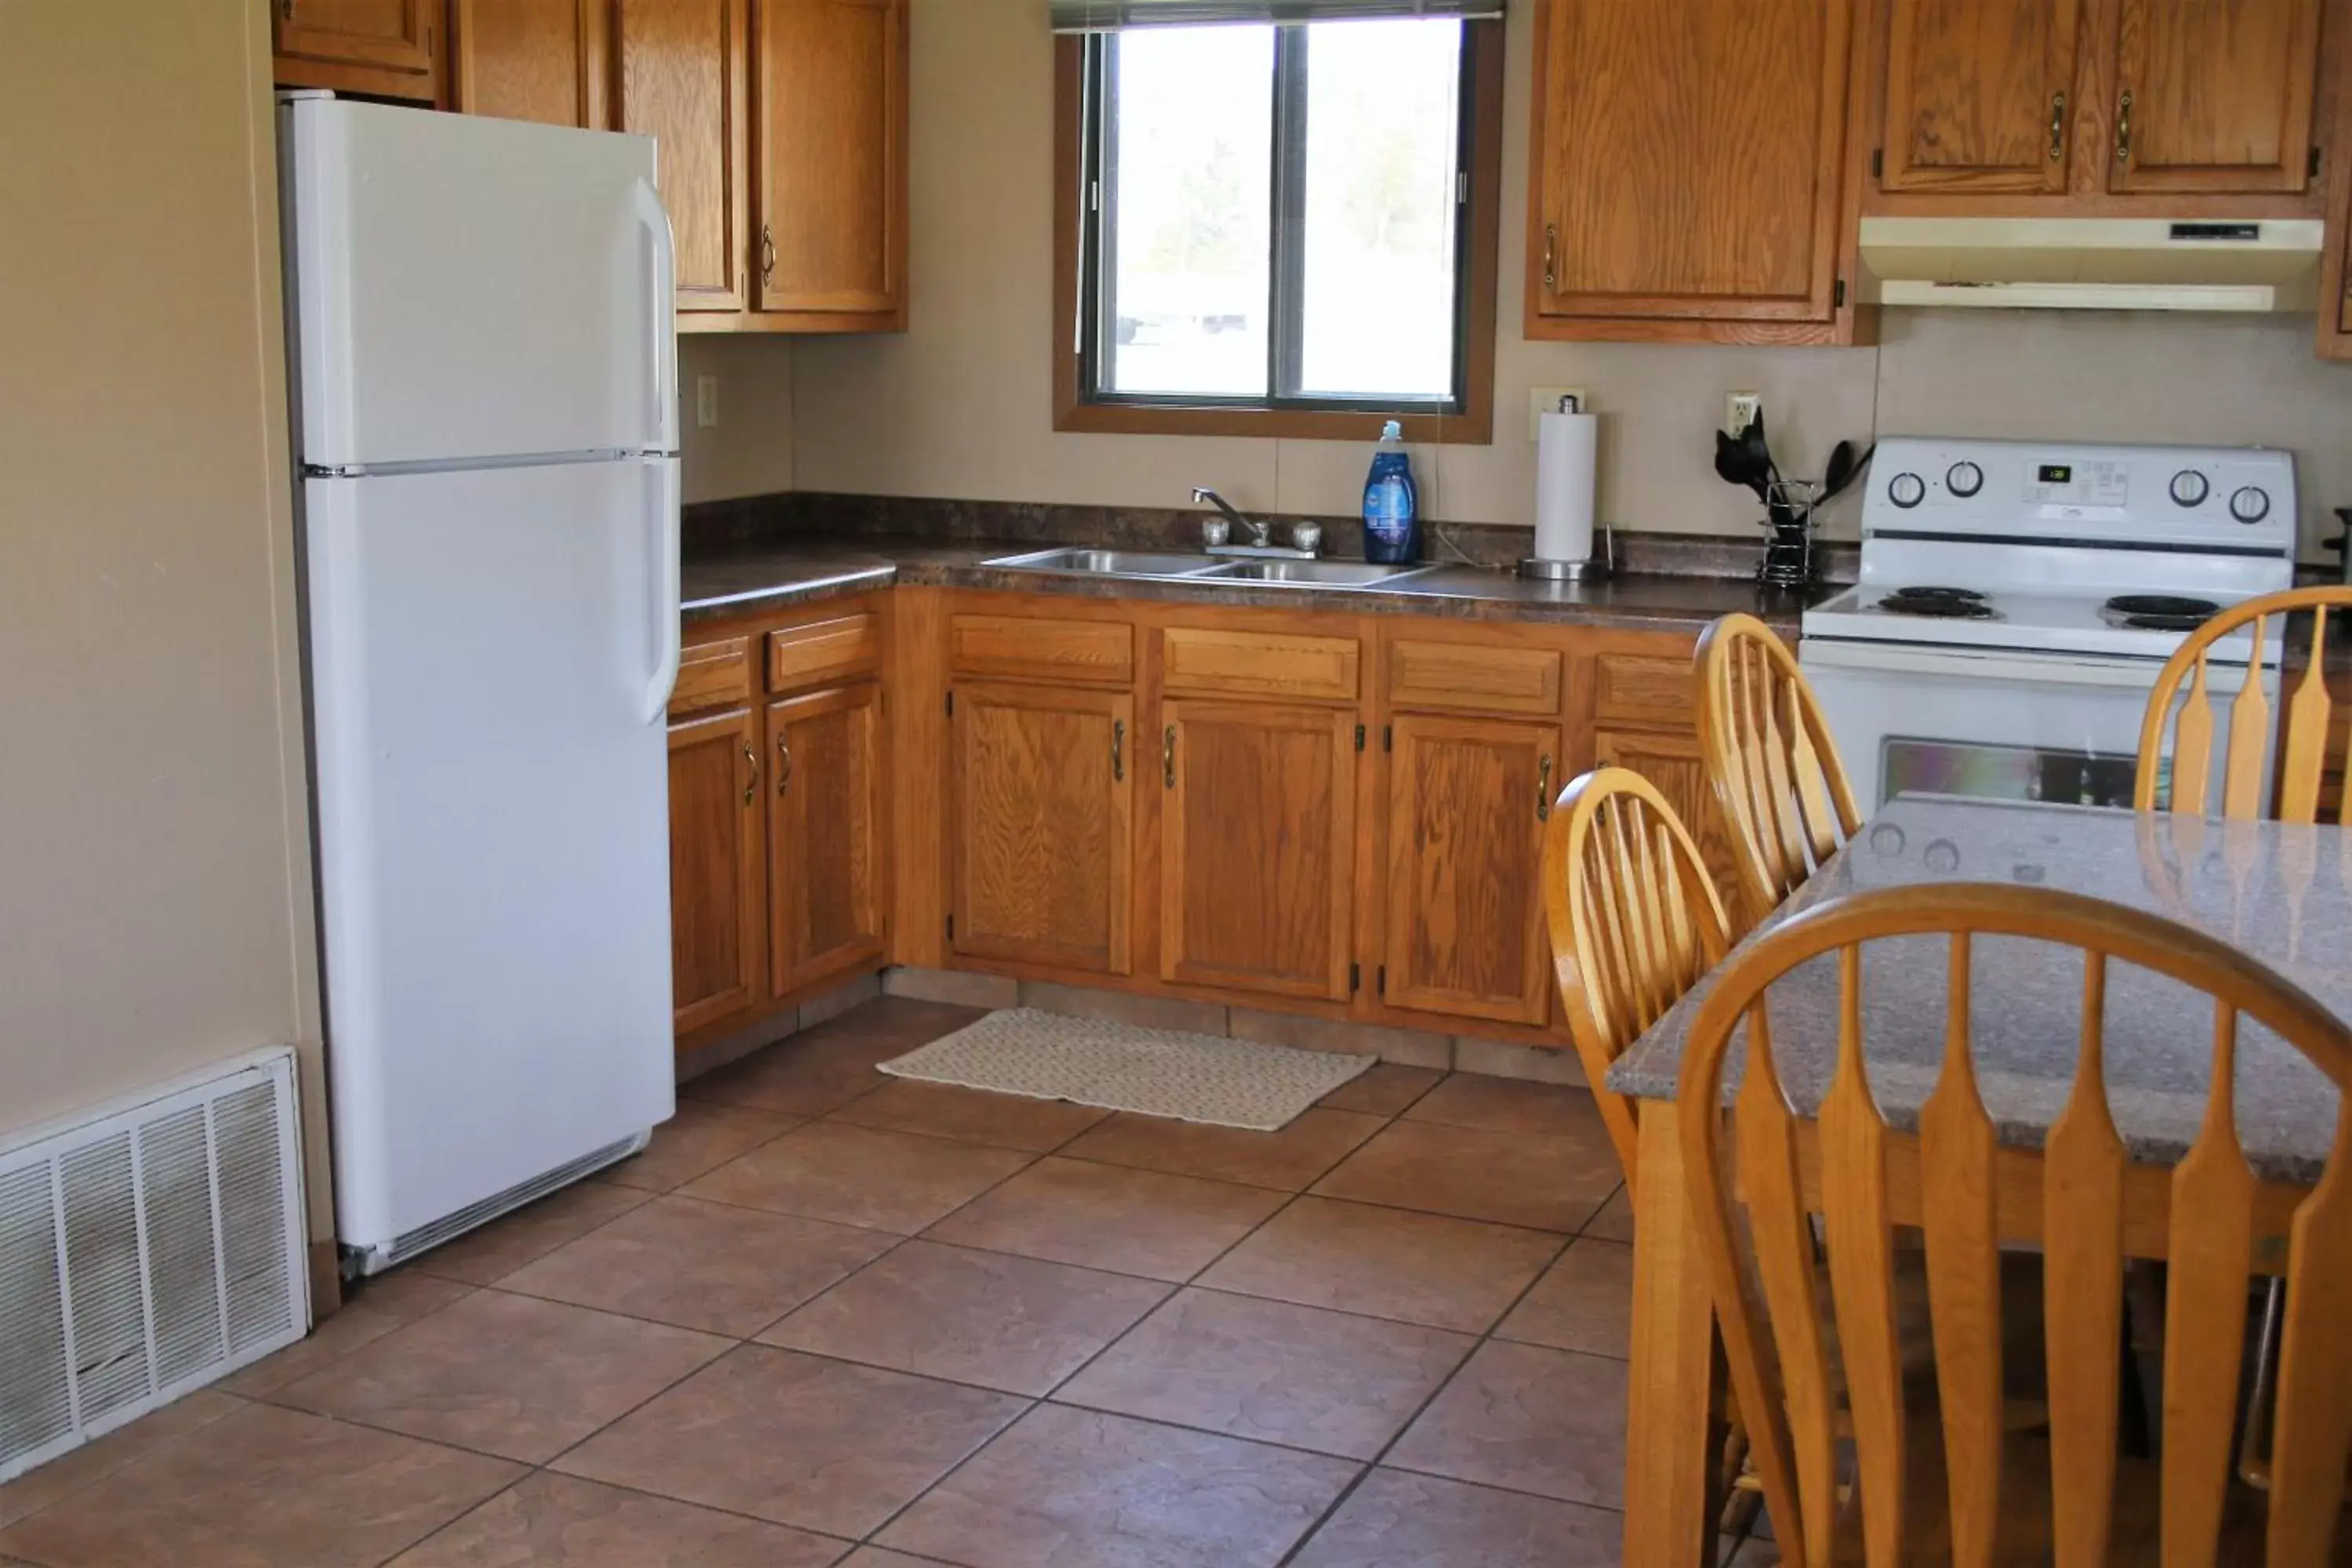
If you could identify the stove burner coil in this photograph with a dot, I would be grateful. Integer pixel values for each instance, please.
(1939, 603)
(2158, 612)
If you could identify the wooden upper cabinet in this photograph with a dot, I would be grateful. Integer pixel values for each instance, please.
(382, 49)
(1689, 170)
(2213, 96)
(717, 873)
(830, 189)
(548, 60)
(1257, 827)
(1041, 848)
(1980, 95)
(826, 854)
(681, 80)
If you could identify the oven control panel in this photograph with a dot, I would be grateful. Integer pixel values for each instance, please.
(2237, 499)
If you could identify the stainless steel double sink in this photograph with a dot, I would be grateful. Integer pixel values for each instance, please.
(1173, 565)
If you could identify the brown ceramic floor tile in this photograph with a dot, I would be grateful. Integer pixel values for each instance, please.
(1583, 1302)
(974, 1115)
(986, 1318)
(898, 1181)
(263, 1487)
(1252, 1368)
(1615, 1220)
(373, 1310)
(881, 1557)
(1417, 1269)
(1077, 1488)
(1289, 1160)
(796, 1439)
(505, 1375)
(503, 1246)
(1099, 1217)
(821, 1069)
(1399, 1521)
(1529, 1419)
(714, 1267)
(1526, 1179)
(701, 1137)
(1511, 1105)
(556, 1521)
(1383, 1089)
(71, 1471)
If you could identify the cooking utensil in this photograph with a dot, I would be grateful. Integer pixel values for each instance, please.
(1732, 464)
(1837, 480)
(1759, 451)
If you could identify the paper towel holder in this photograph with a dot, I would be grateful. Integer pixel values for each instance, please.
(1591, 571)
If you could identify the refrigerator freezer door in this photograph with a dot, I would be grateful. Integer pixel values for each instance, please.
(469, 289)
(492, 824)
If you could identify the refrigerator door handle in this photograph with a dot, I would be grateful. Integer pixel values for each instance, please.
(661, 318)
(661, 492)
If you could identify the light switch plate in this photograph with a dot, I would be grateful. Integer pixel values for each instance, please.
(705, 401)
(1543, 400)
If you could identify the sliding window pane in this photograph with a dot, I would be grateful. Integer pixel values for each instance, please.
(1382, 112)
(1190, 174)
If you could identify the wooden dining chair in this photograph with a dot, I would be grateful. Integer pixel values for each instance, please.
(1634, 920)
(1999, 1496)
(1771, 761)
(2313, 731)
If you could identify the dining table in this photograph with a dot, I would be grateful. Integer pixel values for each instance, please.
(2281, 892)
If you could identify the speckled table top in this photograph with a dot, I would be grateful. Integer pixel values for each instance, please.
(749, 578)
(2280, 892)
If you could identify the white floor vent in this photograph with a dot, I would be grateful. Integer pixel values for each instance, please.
(146, 1251)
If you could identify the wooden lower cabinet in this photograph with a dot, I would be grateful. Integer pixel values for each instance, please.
(1043, 849)
(1467, 800)
(717, 873)
(1671, 760)
(825, 812)
(1257, 830)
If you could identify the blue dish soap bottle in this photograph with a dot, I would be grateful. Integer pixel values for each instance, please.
(1391, 501)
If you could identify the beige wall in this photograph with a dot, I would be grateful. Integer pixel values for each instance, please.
(960, 405)
(750, 451)
(155, 871)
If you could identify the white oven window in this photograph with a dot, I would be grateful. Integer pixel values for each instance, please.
(1907, 766)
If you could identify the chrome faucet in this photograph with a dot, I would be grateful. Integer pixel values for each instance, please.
(1261, 534)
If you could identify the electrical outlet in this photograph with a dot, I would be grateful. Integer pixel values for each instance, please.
(705, 401)
(1543, 400)
(1740, 409)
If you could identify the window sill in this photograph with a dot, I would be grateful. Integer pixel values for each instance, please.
(1474, 428)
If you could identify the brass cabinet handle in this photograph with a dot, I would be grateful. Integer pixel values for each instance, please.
(1168, 756)
(285, 10)
(784, 764)
(767, 255)
(2123, 128)
(1552, 251)
(751, 786)
(2057, 126)
(1117, 750)
(1543, 789)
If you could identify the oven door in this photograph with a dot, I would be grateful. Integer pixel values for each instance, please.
(2004, 726)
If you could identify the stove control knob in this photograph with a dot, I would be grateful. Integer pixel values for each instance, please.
(1906, 490)
(1964, 480)
(2250, 504)
(2190, 487)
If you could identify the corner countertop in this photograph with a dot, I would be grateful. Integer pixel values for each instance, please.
(760, 577)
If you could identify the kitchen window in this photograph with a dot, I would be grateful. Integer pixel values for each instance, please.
(1278, 228)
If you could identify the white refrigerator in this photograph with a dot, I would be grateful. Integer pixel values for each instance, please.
(484, 361)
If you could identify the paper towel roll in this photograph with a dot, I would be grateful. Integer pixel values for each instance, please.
(1565, 446)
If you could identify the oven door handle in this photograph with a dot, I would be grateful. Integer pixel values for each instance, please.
(2038, 669)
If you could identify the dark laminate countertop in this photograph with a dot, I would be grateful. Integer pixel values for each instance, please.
(750, 578)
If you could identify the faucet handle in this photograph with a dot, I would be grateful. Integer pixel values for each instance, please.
(1307, 536)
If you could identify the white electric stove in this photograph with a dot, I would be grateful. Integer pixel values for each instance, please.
(2017, 599)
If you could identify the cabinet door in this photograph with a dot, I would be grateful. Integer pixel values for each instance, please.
(531, 59)
(718, 877)
(1256, 833)
(1671, 761)
(825, 842)
(1042, 851)
(1689, 160)
(2213, 95)
(682, 72)
(1979, 95)
(829, 199)
(1467, 801)
(383, 47)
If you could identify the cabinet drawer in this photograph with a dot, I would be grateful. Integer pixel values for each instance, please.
(1021, 647)
(1473, 677)
(712, 675)
(825, 650)
(1195, 659)
(1640, 689)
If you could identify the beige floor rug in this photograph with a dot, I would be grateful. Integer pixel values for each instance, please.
(1120, 1066)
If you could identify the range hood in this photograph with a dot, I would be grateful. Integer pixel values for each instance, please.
(2092, 264)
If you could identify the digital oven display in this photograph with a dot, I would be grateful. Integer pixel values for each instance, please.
(2057, 473)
